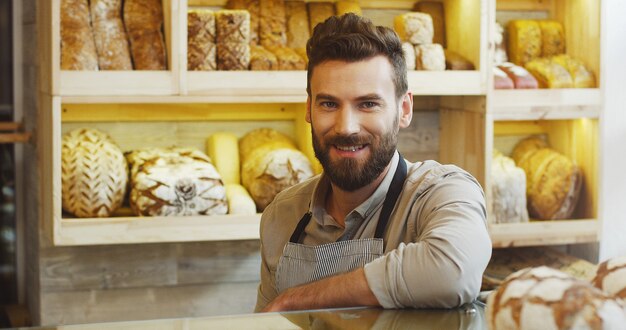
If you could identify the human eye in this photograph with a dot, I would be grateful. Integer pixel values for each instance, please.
(369, 105)
(328, 104)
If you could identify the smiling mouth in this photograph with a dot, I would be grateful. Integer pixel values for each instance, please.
(350, 148)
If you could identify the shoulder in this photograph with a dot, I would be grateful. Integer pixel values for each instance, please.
(428, 175)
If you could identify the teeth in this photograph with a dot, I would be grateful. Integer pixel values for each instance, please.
(350, 148)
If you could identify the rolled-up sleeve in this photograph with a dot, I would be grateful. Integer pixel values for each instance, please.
(443, 267)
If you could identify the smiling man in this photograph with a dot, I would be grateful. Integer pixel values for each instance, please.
(373, 229)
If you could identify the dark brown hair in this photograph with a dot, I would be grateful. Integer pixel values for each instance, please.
(353, 38)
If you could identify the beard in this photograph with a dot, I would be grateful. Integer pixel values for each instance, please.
(350, 174)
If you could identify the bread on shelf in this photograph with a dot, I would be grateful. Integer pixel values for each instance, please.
(239, 200)
(110, 35)
(524, 41)
(233, 38)
(409, 55)
(262, 59)
(436, 11)
(78, 49)
(416, 28)
(143, 20)
(254, 8)
(272, 23)
(610, 277)
(552, 38)
(501, 80)
(201, 45)
(297, 24)
(522, 79)
(549, 74)
(430, 57)
(319, 12)
(508, 186)
(581, 76)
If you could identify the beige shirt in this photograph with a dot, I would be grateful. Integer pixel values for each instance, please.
(436, 242)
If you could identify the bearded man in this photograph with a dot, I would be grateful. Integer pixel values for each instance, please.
(373, 229)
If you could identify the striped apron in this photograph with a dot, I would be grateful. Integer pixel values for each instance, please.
(301, 264)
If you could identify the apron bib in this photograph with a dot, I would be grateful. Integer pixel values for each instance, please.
(301, 264)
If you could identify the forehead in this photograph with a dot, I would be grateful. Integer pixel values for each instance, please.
(335, 77)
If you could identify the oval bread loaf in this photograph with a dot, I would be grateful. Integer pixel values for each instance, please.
(611, 277)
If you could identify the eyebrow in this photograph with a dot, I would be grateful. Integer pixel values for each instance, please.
(366, 97)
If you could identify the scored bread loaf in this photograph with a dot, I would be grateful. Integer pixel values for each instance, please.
(254, 8)
(319, 12)
(143, 20)
(272, 23)
(109, 35)
(610, 277)
(344, 7)
(549, 74)
(508, 186)
(545, 298)
(288, 59)
(501, 80)
(94, 174)
(270, 163)
(581, 76)
(524, 40)
(524, 148)
(522, 79)
(262, 59)
(436, 12)
(201, 46)
(409, 55)
(174, 181)
(233, 38)
(297, 24)
(416, 28)
(430, 57)
(78, 49)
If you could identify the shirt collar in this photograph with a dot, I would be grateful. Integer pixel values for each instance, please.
(317, 207)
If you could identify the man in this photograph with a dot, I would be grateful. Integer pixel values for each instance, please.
(373, 229)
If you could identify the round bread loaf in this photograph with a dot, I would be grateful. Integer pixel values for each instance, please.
(261, 136)
(611, 277)
(94, 174)
(545, 298)
(528, 144)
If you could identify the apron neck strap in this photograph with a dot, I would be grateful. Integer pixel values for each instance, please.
(395, 188)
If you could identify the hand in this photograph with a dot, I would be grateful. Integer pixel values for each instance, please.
(344, 290)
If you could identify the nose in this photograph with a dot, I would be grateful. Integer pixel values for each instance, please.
(347, 122)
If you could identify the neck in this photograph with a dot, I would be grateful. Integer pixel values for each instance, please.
(340, 202)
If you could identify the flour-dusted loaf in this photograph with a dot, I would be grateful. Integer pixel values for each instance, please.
(436, 11)
(262, 59)
(254, 8)
(297, 24)
(78, 49)
(288, 59)
(610, 277)
(430, 57)
(272, 23)
(522, 79)
(549, 74)
(233, 38)
(501, 80)
(508, 187)
(409, 55)
(319, 12)
(94, 174)
(552, 38)
(109, 35)
(344, 7)
(201, 42)
(553, 181)
(524, 41)
(545, 298)
(270, 163)
(175, 182)
(143, 20)
(581, 76)
(416, 28)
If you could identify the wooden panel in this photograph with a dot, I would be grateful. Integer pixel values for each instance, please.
(466, 29)
(238, 84)
(530, 5)
(544, 233)
(147, 303)
(49, 163)
(48, 35)
(420, 141)
(546, 104)
(446, 83)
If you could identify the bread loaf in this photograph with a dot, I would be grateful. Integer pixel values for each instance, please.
(416, 28)
(436, 12)
(524, 40)
(239, 200)
(254, 8)
(508, 186)
(143, 20)
(522, 79)
(78, 49)
(262, 59)
(430, 57)
(549, 74)
(233, 38)
(319, 12)
(109, 35)
(544, 298)
(297, 24)
(258, 137)
(501, 80)
(272, 23)
(610, 277)
(581, 76)
(344, 7)
(288, 59)
(552, 38)
(94, 174)
(175, 182)
(525, 147)
(201, 47)
(409, 55)
(454, 61)
(223, 150)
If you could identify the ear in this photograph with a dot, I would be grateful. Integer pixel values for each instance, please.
(406, 110)
(307, 116)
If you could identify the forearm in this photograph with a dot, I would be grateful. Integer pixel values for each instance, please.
(344, 290)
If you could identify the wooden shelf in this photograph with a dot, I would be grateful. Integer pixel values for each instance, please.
(545, 233)
(129, 230)
(538, 104)
(98, 83)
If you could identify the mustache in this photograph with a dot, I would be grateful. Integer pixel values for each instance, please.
(348, 139)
